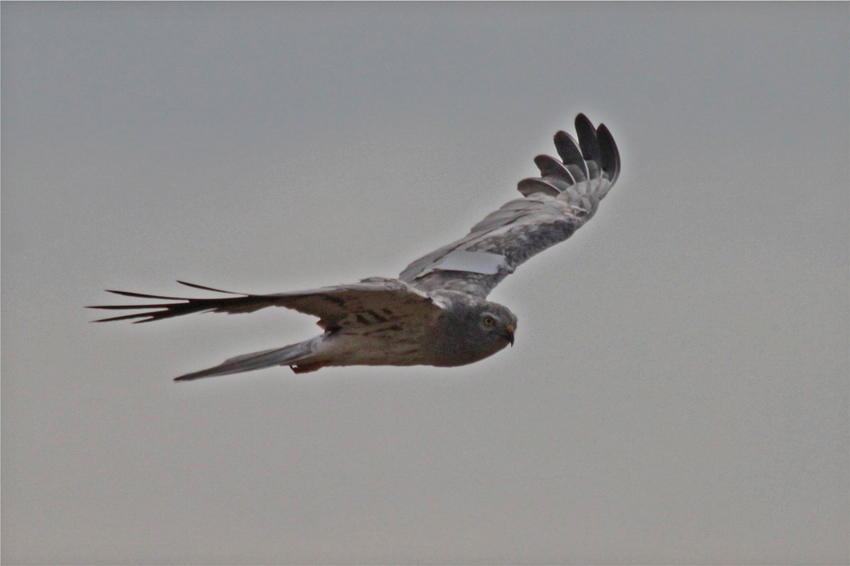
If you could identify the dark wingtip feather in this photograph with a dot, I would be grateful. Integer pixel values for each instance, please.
(551, 167)
(207, 288)
(587, 139)
(146, 316)
(534, 185)
(610, 154)
(184, 305)
(135, 307)
(143, 296)
(570, 153)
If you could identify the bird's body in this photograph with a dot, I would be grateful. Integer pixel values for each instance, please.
(436, 312)
(429, 340)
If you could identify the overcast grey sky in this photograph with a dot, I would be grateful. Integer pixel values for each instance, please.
(678, 391)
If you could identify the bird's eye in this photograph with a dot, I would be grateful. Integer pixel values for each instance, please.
(489, 321)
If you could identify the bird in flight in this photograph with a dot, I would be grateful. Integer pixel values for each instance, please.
(435, 313)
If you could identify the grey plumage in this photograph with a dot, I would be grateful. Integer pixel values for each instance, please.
(436, 312)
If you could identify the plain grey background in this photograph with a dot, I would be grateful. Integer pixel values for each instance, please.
(678, 391)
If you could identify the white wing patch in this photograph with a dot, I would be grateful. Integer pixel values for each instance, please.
(472, 262)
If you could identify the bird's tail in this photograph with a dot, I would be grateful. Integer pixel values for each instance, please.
(287, 356)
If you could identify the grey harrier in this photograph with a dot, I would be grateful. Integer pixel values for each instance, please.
(436, 312)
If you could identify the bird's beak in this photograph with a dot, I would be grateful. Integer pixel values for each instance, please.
(510, 333)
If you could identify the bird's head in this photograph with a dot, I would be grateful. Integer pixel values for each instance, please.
(473, 329)
(497, 323)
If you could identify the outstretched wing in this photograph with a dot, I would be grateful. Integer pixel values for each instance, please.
(555, 205)
(371, 301)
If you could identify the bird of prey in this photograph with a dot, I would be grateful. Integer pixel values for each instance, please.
(435, 313)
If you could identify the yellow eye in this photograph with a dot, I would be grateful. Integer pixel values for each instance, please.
(489, 321)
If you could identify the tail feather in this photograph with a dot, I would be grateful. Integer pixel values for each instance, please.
(287, 355)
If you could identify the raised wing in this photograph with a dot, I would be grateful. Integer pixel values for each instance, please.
(371, 301)
(555, 205)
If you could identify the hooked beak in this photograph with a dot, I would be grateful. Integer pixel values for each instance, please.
(509, 335)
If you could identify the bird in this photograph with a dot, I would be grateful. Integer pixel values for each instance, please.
(436, 312)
